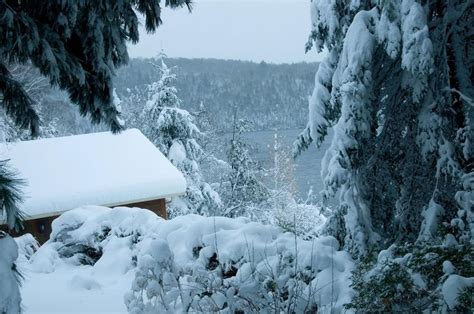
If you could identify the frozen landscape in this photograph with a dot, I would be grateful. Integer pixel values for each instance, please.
(236, 156)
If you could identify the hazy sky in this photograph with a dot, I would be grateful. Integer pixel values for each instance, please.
(269, 30)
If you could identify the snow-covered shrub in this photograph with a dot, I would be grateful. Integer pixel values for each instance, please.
(10, 298)
(234, 265)
(155, 284)
(27, 246)
(283, 210)
(415, 278)
(281, 205)
(94, 235)
(199, 264)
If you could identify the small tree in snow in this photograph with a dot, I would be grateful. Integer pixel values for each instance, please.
(174, 132)
(244, 187)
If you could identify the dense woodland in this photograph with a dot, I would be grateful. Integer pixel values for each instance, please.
(269, 95)
(266, 95)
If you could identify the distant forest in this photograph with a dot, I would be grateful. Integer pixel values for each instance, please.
(268, 95)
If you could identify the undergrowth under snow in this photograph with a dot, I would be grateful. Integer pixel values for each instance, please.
(102, 259)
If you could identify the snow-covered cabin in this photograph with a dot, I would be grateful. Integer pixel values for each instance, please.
(92, 169)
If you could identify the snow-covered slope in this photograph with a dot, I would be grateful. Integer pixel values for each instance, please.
(91, 262)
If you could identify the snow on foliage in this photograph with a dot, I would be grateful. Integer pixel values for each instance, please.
(243, 187)
(175, 133)
(395, 87)
(10, 297)
(77, 46)
(195, 263)
(415, 278)
(453, 287)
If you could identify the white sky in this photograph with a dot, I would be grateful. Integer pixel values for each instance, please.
(270, 30)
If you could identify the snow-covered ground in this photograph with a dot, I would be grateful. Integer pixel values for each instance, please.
(75, 289)
(91, 261)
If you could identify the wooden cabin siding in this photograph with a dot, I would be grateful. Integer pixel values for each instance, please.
(156, 206)
(41, 228)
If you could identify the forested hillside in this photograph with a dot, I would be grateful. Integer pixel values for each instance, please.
(268, 95)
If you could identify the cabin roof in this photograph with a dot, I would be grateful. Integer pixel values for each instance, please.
(92, 169)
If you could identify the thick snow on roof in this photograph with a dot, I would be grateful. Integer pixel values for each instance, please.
(92, 169)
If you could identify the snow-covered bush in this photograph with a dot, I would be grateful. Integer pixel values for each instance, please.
(10, 298)
(283, 210)
(416, 278)
(234, 265)
(27, 247)
(95, 236)
(155, 280)
(283, 206)
(196, 263)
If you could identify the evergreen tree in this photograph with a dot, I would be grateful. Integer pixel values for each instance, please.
(396, 86)
(244, 188)
(174, 132)
(76, 45)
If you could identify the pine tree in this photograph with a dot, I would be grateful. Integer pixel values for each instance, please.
(174, 132)
(396, 87)
(244, 186)
(76, 45)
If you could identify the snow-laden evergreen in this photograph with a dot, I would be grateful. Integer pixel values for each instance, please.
(174, 131)
(77, 45)
(242, 187)
(396, 86)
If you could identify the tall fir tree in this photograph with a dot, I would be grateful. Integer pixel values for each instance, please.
(174, 131)
(396, 87)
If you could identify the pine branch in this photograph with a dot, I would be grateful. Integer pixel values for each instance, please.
(11, 195)
(17, 103)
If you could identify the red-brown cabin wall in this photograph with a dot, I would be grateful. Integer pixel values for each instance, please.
(41, 228)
